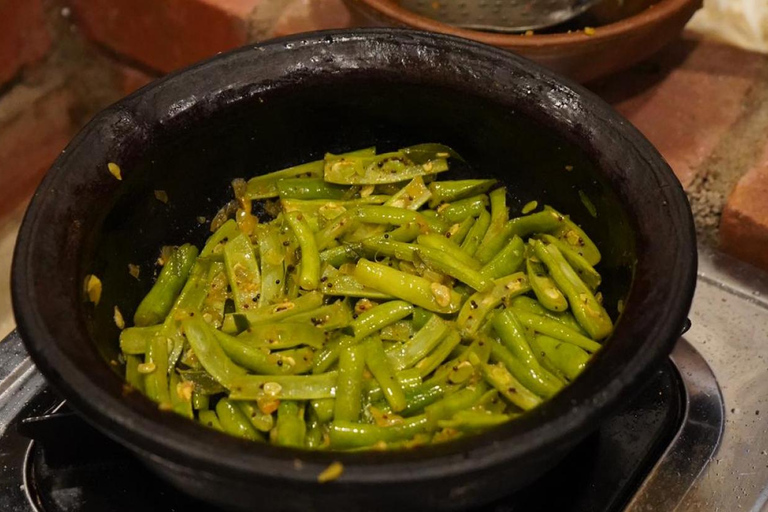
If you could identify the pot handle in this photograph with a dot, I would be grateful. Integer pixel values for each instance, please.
(686, 326)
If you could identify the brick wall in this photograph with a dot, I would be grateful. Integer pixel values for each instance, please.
(703, 104)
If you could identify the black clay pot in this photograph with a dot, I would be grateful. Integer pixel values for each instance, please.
(287, 101)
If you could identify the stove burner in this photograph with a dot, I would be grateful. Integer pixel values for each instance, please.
(70, 467)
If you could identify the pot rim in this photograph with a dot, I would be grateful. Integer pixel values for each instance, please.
(177, 441)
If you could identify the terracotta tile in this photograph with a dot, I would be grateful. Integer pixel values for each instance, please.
(23, 35)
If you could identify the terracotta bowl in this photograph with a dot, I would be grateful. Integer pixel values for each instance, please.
(615, 45)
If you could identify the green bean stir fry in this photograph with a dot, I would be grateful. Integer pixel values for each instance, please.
(377, 308)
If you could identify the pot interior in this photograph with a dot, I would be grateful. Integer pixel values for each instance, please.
(195, 156)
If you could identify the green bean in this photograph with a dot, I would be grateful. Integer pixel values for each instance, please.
(412, 196)
(272, 265)
(234, 422)
(405, 233)
(214, 244)
(544, 287)
(336, 228)
(384, 168)
(423, 153)
(541, 222)
(575, 237)
(532, 306)
(132, 375)
(479, 305)
(181, 396)
(401, 331)
(331, 352)
(262, 187)
(586, 272)
(326, 318)
(378, 247)
(309, 188)
(444, 262)
(461, 400)
(318, 212)
(408, 379)
(474, 420)
(413, 289)
(420, 317)
(374, 319)
(347, 434)
(440, 354)
(339, 255)
(458, 232)
(242, 272)
(544, 325)
(215, 300)
(462, 209)
(261, 361)
(315, 435)
(284, 387)
(448, 191)
(423, 396)
(260, 420)
(323, 408)
(512, 335)
(441, 243)
(156, 362)
(471, 243)
(208, 351)
(159, 301)
(540, 381)
(376, 361)
(344, 285)
(450, 370)
(510, 388)
(279, 312)
(499, 215)
(309, 273)
(396, 217)
(413, 350)
(287, 334)
(569, 359)
(588, 312)
(507, 261)
(210, 420)
(200, 402)
(290, 428)
(133, 340)
(349, 392)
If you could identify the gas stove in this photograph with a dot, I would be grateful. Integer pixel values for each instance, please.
(694, 439)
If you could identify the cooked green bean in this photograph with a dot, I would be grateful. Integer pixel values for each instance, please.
(507, 261)
(375, 319)
(309, 274)
(377, 363)
(414, 289)
(448, 191)
(369, 306)
(569, 359)
(589, 313)
(158, 302)
(234, 422)
(475, 236)
(544, 287)
(349, 395)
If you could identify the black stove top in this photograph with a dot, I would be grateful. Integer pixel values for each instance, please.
(69, 467)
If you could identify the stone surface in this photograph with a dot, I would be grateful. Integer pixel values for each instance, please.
(686, 99)
(169, 34)
(23, 35)
(129, 79)
(35, 125)
(744, 224)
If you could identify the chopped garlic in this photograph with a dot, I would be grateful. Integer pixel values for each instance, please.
(332, 472)
(93, 288)
(115, 171)
(119, 321)
(162, 196)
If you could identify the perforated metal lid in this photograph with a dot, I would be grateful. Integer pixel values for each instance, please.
(500, 15)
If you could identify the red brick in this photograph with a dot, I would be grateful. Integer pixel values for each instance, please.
(128, 79)
(744, 223)
(166, 34)
(34, 127)
(686, 99)
(309, 15)
(24, 37)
